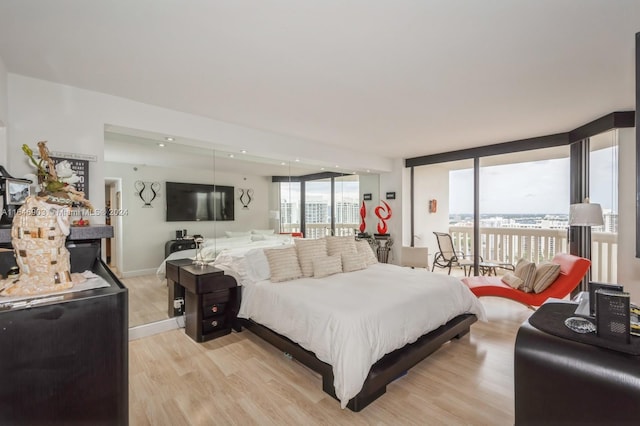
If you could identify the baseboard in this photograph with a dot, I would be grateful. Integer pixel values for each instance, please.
(138, 273)
(150, 329)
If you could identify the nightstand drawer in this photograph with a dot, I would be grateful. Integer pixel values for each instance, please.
(219, 296)
(213, 323)
(214, 309)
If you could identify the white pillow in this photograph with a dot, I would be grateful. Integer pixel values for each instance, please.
(309, 249)
(326, 265)
(283, 263)
(231, 234)
(263, 231)
(510, 279)
(353, 262)
(339, 245)
(365, 248)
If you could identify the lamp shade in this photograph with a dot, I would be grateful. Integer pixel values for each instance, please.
(585, 214)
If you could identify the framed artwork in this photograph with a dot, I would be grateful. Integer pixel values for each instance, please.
(391, 195)
(367, 197)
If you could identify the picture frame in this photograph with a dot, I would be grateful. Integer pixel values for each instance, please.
(391, 195)
(17, 191)
(367, 197)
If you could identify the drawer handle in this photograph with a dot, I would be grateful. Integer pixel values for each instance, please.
(214, 309)
(214, 323)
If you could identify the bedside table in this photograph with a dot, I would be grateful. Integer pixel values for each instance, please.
(212, 301)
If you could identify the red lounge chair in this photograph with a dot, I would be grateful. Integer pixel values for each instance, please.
(572, 270)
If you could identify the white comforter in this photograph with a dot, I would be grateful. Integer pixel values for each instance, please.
(351, 320)
(210, 250)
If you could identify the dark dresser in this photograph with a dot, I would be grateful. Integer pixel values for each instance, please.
(564, 382)
(66, 361)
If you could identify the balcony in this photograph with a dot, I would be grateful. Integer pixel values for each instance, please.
(537, 245)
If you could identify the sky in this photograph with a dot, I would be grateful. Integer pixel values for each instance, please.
(533, 187)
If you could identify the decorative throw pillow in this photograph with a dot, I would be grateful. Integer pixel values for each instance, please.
(283, 264)
(353, 262)
(339, 245)
(526, 271)
(510, 279)
(327, 265)
(365, 248)
(263, 231)
(546, 273)
(309, 249)
(232, 234)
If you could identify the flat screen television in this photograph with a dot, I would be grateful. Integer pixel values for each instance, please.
(199, 202)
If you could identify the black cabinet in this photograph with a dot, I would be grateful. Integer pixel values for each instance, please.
(66, 361)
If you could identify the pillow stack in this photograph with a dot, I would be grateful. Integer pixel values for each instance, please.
(529, 278)
(318, 258)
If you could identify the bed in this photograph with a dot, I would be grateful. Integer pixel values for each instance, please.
(360, 330)
(212, 247)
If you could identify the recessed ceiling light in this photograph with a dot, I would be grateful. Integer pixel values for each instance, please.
(297, 160)
(169, 138)
(368, 171)
(243, 151)
(231, 155)
(283, 164)
(337, 166)
(321, 168)
(161, 145)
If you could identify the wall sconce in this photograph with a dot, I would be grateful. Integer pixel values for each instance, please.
(246, 195)
(147, 191)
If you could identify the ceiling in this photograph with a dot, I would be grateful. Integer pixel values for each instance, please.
(397, 78)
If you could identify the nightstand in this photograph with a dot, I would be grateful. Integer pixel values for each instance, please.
(212, 301)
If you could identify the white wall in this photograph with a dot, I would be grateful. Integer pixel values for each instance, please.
(430, 182)
(628, 264)
(146, 230)
(73, 120)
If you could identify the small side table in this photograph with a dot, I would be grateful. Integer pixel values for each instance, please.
(212, 301)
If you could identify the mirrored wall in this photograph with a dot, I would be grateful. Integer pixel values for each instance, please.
(147, 230)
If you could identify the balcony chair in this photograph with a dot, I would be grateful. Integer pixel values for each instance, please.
(572, 270)
(448, 256)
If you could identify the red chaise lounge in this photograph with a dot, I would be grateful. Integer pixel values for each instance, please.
(572, 270)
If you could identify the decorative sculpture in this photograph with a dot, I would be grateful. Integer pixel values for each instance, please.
(363, 214)
(147, 191)
(383, 213)
(245, 197)
(40, 228)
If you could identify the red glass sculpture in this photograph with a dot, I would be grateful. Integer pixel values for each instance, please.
(380, 211)
(363, 213)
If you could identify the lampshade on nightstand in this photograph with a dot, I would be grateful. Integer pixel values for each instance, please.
(585, 214)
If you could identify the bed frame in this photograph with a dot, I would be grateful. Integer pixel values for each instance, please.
(383, 372)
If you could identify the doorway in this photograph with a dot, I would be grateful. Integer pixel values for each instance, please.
(112, 249)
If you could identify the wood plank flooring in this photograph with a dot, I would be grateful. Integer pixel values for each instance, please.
(147, 299)
(241, 380)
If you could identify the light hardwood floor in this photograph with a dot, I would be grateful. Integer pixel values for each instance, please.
(240, 379)
(147, 299)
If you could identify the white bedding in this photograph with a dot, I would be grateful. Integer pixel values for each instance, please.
(211, 248)
(351, 320)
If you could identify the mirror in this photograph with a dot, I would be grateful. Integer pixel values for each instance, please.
(136, 171)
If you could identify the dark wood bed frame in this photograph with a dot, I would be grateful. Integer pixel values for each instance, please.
(383, 372)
